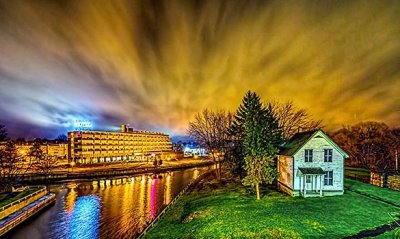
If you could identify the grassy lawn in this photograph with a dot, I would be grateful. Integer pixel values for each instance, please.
(228, 210)
(384, 193)
(6, 198)
(359, 173)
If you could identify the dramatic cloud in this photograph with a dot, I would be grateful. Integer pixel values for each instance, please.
(154, 64)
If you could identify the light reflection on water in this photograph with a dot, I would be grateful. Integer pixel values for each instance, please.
(112, 208)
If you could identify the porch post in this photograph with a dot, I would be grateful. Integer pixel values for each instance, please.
(316, 183)
(320, 185)
(300, 186)
(312, 183)
(304, 185)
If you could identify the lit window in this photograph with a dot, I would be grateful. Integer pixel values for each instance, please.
(308, 155)
(328, 178)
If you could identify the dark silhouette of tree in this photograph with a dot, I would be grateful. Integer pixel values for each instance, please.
(3, 133)
(291, 119)
(11, 165)
(209, 129)
(370, 145)
(35, 151)
(42, 163)
(62, 138)
(45, 165)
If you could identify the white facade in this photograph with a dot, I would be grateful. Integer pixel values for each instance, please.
(315, 168)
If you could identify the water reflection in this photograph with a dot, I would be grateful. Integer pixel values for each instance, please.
(107, 208)
(84, 219)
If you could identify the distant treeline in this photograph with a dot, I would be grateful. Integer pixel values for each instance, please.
(371, 145)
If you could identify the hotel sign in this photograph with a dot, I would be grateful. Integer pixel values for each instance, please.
(83, 125)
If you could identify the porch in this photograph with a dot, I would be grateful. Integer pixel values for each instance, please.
(311, 182)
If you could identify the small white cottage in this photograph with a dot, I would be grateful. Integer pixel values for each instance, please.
(311, 164)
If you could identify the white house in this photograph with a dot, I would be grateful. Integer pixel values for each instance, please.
(311, 164)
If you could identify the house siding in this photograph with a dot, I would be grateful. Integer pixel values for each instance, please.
(285, 177)
(318, 144)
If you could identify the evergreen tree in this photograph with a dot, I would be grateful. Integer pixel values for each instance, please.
(261, 136)
(250, 104)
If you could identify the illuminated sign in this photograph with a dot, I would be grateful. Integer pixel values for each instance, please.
(83, 125)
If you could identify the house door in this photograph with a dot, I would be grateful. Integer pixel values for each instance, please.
(308, 182)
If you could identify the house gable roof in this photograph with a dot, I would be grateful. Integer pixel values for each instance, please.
(291, 147)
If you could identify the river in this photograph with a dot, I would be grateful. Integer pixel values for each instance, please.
(106, 208)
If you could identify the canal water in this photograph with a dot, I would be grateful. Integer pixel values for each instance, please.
(106, 208)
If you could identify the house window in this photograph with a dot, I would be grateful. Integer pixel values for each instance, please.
(327, 155)
(308, 179)
(308, 155)
(328, 178)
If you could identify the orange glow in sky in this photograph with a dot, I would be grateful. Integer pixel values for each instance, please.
(155, 64)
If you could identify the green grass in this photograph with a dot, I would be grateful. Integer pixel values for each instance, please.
(6, 198)
(379, 192)
(361, 173)
(231, 211)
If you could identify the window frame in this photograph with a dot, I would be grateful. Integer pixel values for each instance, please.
(308, 157)
(330, 158)
(328, 181)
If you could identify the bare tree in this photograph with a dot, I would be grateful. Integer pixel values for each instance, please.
(42, 163)
(11, 165)
(209, 129)
(45, 165)
(292, 119)
(371, 145)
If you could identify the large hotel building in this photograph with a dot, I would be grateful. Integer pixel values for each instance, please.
(128, 145)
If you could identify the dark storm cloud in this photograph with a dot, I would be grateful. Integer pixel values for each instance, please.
(154, 64)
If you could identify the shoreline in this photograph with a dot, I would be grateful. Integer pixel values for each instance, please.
(107, 172)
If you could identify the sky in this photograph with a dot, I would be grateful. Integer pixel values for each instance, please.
(155, 64)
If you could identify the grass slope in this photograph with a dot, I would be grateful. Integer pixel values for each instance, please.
(228, 210)
(6, 198)
(378, 192)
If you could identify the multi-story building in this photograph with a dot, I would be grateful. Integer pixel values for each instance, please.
(127, 145)
(57, 150)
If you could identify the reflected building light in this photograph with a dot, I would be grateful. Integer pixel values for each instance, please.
(153, 199)
(85, 218)
(195, 173)
(167, 190)
(94, 184)
(142, 200)
(148, 199)
(102, 183)
(71, 197)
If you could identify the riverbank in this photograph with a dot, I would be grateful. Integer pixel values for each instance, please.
(109, 207)
(226, 209)
(22, 209)
(116, 169)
